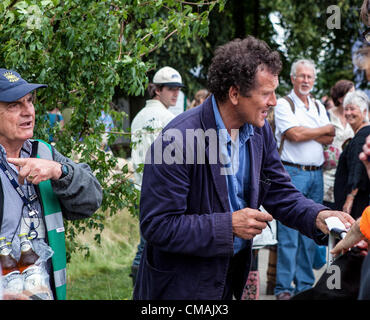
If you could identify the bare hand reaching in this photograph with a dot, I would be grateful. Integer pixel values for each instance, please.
(346, 219)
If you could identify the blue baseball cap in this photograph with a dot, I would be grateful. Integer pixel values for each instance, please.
(13, 87)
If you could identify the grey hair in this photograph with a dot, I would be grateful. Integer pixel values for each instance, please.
(306, 62)
(358, 98)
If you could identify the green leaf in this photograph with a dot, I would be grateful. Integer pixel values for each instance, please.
(86, 51)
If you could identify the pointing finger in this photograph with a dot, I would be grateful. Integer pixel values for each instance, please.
(17, 161)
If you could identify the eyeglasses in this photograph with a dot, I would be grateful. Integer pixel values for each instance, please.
(366, 35)
(305, 76)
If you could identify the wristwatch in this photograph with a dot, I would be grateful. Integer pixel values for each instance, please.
(65, 170)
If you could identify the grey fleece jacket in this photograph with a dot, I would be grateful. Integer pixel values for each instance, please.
(79, 193)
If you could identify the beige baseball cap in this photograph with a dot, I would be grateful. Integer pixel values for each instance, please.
(169, 77)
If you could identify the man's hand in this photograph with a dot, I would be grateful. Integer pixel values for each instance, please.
(248, 222)
(344, 217)
(36, 170)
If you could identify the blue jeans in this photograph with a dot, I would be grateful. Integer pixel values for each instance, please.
(296, 252)
(139, 252)
(136, 261)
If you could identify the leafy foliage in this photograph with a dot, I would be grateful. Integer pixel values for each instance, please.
(86, 50)
(307, 35)
(304, 33)
(83, 50)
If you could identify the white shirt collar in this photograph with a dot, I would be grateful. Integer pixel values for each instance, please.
(298, 102)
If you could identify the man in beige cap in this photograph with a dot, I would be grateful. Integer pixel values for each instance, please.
(148, 123)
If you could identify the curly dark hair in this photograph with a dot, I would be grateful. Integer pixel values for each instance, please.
(236, 64)
(340, 89)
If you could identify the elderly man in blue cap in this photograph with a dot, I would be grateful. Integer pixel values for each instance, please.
(39, 187)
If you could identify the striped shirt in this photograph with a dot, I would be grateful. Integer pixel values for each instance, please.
(15, 215)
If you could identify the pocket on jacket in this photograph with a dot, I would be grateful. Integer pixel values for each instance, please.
(160, 283)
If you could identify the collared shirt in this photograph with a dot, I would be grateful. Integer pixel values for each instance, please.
(306, 152)
(238, 173)
(15, 215)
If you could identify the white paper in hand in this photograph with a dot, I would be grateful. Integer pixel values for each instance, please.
(334, 222)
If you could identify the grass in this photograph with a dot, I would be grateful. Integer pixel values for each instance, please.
(105, 274)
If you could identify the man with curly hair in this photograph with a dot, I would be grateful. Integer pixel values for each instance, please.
(205, 177)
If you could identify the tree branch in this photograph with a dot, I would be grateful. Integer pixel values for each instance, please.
(157, 46)
(197, 3)
(120, 40)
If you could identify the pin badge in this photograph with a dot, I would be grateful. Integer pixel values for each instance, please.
(32, 213)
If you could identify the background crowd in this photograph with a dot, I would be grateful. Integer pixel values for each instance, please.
(320, 142)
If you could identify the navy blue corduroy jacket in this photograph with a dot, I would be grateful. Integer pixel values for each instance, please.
(185, 215)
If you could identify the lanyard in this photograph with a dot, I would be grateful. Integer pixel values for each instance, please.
(27, 202)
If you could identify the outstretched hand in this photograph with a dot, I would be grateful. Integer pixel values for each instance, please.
(354, 237)
(345, 218)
